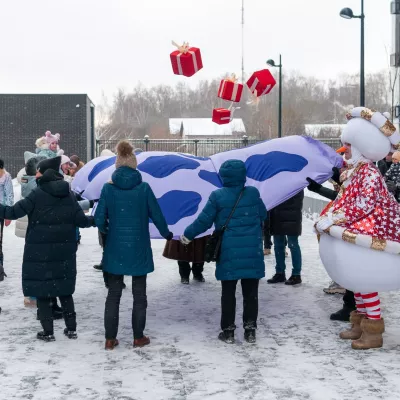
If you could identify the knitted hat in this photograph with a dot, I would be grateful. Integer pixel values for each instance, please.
(66, 160)
(52, 138)
(50, 163)
(125, 155)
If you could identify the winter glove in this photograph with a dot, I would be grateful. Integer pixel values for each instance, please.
(78, 196)
(2, 273)
(391, 186)
(327, 221)
(323, 224)
(170, 236)
(184, 240)
(313, 186)
(7, 222)
(336, 175)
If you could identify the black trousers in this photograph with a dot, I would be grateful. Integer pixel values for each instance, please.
(349, 300)
(267, 242)
(250, 304)
(102, 243)
(184, 269)
(1, 241)
(45, 307)
(111, 312)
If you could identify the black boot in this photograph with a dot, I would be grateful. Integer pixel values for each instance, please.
(250, 335)
(199, 277)
(46, 337)
(98, 267)
(342, 315)
(70, 323)
(293, 280)
(184, 280)
(277, 278)
(227, 336)
(70, 334)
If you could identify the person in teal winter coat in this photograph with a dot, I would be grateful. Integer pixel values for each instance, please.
(126, 204)
(242, 255)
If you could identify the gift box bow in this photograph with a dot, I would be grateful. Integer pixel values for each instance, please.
(184, 48)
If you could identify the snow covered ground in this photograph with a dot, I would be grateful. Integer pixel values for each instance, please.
(298, 354)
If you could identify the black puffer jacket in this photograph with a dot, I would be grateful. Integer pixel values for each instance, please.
(384, 166)
(49, 263)
(286, 219)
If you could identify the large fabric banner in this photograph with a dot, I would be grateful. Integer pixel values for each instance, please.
(183, 183)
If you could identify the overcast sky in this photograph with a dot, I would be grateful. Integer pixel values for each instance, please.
(86, 46)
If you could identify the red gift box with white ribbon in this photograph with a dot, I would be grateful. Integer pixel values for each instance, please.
(262, 82)
(186, 60)
(230, 90)
(221, 116)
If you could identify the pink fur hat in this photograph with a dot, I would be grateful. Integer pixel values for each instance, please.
(52, 138)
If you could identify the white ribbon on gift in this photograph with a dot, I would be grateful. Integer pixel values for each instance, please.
(196, 68)
(184, 49)
(254, 85)
(235, 87)
(255, 100)
(232, 110)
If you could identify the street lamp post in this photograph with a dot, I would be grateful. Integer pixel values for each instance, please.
(272, 64)
(347, 13)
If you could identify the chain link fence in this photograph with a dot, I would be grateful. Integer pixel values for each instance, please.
(197, 147)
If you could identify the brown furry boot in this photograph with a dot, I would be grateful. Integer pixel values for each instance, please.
(355, 331)
(371, 337)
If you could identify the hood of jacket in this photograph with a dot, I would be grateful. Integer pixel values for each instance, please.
(28, 183)
(233, 173)
(126, 178)
(52, 182)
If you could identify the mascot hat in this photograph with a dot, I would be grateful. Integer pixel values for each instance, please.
(371, 133)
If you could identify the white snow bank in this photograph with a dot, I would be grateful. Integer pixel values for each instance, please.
(298, 355)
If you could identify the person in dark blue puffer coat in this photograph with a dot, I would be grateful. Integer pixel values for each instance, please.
(125, 207)
(242, 255)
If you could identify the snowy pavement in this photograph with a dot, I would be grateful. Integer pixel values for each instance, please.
(298, 354)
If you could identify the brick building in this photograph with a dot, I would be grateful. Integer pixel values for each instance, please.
(26, 117)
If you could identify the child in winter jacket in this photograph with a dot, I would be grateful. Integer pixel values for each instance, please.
(392, 176)
(47, 145)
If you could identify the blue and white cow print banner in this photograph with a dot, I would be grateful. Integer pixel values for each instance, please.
(183, 183)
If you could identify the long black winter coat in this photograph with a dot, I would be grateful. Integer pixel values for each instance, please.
(49, 263)
(286, 219)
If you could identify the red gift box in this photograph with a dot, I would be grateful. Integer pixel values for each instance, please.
(221, 116)
(186, 60)
(230, 90)
(262, 81)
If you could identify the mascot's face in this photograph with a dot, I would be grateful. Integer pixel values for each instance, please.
(363, 135)
(347, 153)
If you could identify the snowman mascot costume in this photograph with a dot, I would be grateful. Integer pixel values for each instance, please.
(359, 234)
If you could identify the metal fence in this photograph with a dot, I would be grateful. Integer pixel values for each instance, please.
(197, 147)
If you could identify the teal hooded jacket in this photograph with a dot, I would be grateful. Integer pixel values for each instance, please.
(242, 255)
(125, 207)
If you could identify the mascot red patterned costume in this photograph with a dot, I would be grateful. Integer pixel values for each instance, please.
(360, 232)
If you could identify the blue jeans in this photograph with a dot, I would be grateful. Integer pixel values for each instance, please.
(293, 244)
